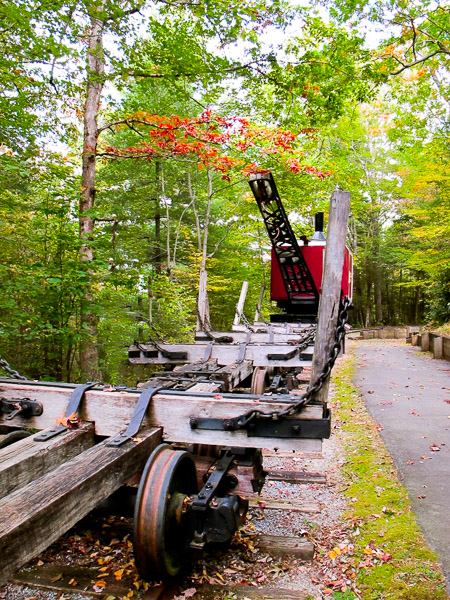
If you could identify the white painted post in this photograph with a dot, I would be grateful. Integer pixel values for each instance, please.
(240, 304)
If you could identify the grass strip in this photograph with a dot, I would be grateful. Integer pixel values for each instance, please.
(395, 562)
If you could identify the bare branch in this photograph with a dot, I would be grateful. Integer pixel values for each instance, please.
(414, 63)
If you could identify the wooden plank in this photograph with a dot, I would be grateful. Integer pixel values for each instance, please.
(233, 375)
(111, 411)
(27, 460)
(331, 286)
(257, 336)
(296, 476)
(57, 577)
(225, 354)
(265, 503)
(291, 454)
(205, 386)
(36, 515)
(240, 304)
(213, 592)
(295, 547)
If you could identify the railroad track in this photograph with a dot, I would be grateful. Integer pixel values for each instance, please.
(94, 560)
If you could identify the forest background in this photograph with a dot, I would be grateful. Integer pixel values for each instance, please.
(128, 130)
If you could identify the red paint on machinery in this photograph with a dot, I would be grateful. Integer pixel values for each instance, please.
(314, 255)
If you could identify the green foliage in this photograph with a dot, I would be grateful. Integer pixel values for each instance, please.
(150, 218)
(40, 276)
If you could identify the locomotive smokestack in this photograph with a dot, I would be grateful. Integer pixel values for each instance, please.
(318, 227)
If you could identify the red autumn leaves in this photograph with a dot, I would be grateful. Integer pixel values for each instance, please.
(214, 142)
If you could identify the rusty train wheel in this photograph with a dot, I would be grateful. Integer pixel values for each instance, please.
(160, 539)
(259, 380)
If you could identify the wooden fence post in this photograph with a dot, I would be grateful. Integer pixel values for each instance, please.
(240, 304)
(331, 286)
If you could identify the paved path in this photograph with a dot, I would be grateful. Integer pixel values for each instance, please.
(408, 394)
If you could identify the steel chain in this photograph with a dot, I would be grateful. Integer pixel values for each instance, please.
(243, 420)
(246, 322)
(4, 364)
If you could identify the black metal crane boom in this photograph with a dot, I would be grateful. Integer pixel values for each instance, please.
(303, 295)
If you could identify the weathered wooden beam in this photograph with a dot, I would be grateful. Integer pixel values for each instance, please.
(240, 304)
(27, 460)
(226, 354)
(331, 285)
(243, 592)
(112, 411)
(277, 545)
(36, 515)
(296, 476)
(303, 506)
(56, 578)
(233, 375)
(267, 453)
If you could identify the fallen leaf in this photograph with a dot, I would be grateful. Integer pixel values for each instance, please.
(56, 578)
(434, 448)
(73, 582)
(421, 496)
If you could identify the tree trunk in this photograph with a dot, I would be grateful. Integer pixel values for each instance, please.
(202, 300)
(157, 218)
(368, 302)
(416, 304)
(89, 358)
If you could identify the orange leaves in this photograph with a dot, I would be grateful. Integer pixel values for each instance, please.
(72, 421)
(213, 141)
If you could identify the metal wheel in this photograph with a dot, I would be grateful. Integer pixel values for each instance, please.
(160, 537)
(11, 438)
(259, 380)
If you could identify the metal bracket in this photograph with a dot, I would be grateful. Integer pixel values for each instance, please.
(71, 411)
(173, 354)
(203, 499)
(208, 351)
(24, 407)
(272, 428)
(282, 356)
(243, 348)
(137, 418)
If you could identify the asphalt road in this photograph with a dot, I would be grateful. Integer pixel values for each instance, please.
(408, 394)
